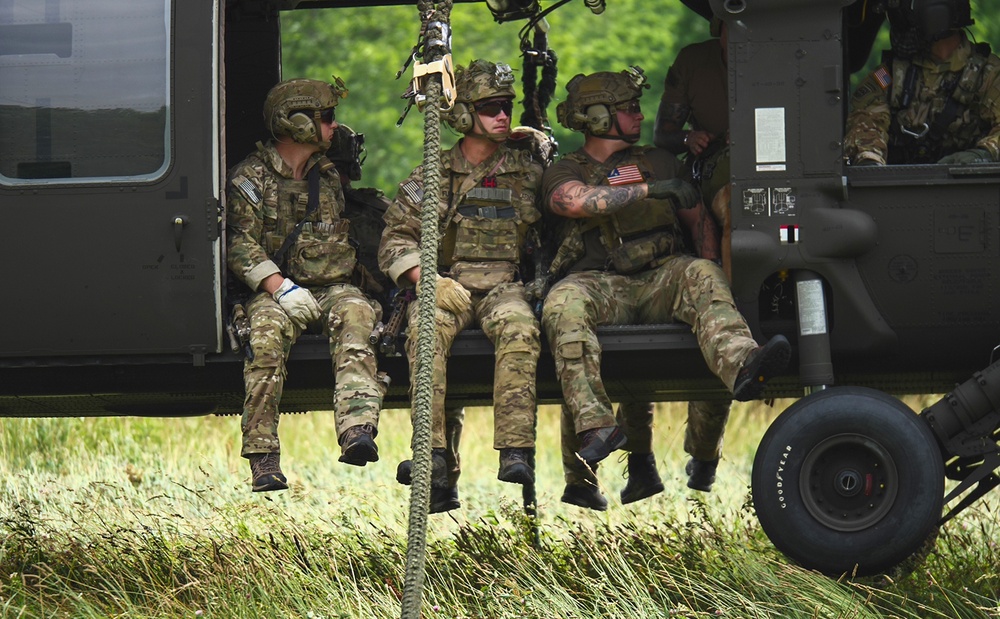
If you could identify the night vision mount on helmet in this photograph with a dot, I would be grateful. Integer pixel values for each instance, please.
(481, 80)
(293, 108)
(347, 151)
(592, 99)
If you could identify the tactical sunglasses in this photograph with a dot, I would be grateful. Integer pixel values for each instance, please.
(493, 107)
(328, 115)
(630, 107)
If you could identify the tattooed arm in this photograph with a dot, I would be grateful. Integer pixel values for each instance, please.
(575, 200)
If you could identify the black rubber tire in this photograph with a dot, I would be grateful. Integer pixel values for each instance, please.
(848, 480)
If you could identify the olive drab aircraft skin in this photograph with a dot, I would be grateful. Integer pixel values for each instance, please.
(885, 279)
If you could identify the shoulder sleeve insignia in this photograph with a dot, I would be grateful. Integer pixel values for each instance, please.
(413, 191)
(248, 189)
(882, 77)
(625, 175)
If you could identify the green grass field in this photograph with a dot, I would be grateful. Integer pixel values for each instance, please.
(126, 517)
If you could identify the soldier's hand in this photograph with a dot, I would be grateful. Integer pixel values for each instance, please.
(697, 141)
(865, 163)
(973, 155)
(453, 296)
(298, 303)
(682, 193)
(536, 289)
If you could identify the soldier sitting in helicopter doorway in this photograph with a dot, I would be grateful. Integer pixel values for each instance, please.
(487, 209)
(624, 260)
(288, 241)
(934, 98)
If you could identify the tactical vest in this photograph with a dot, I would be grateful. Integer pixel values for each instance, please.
(484, 232)
(640, 236)
(921, 129)
(322, 254)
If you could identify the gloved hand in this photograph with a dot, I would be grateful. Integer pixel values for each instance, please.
(452, 296)
(973, 155)
(298, 303)
(535, 291)
(683, 193)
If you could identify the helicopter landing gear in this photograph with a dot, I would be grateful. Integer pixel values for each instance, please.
(848, 480)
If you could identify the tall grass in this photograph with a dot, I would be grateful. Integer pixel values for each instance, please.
(123, 517)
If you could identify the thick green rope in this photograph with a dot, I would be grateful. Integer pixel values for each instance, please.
(434, 17)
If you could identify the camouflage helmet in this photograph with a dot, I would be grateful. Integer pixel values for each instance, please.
(483, 80)
(286, 100)
(604, 89)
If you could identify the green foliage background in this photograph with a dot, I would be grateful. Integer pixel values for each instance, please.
(368, 46)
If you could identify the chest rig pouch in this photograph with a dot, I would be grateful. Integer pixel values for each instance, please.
(322, 254)
(315, 249)
(487, 239)
(641, 235)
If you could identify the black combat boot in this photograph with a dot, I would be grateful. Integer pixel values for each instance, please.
(515, 465)
(358, 445)
(761, 365)
(598, 443)
(585, 495)
(643, 478)
(444, 494)
(266, 472)
(701, 474)
(404, 472)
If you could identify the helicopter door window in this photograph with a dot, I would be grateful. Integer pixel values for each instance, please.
(84, 91)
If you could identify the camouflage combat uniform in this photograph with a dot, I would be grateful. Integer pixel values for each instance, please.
(645, 280)
(265, 203)
(484, 215)
(880, 126)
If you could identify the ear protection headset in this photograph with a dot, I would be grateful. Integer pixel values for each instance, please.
(598, 119)
(300, 127)
(460, 117)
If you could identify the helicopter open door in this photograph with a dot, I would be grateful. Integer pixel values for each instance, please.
(109, 179)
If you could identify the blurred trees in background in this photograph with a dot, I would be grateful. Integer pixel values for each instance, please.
(367, 46)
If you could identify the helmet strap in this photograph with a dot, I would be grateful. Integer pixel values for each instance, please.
(493, 137)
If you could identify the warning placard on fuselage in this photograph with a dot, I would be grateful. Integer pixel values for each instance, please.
(769, 201)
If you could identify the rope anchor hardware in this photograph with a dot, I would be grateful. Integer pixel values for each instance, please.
(446, 70)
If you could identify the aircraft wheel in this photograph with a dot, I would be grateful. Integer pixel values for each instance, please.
(848, 477)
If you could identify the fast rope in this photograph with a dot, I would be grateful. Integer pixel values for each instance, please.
(435, 71)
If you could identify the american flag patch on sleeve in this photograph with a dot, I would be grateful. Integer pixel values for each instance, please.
(248, 189)
(625, 175)
(882, 77)
(413, 191)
